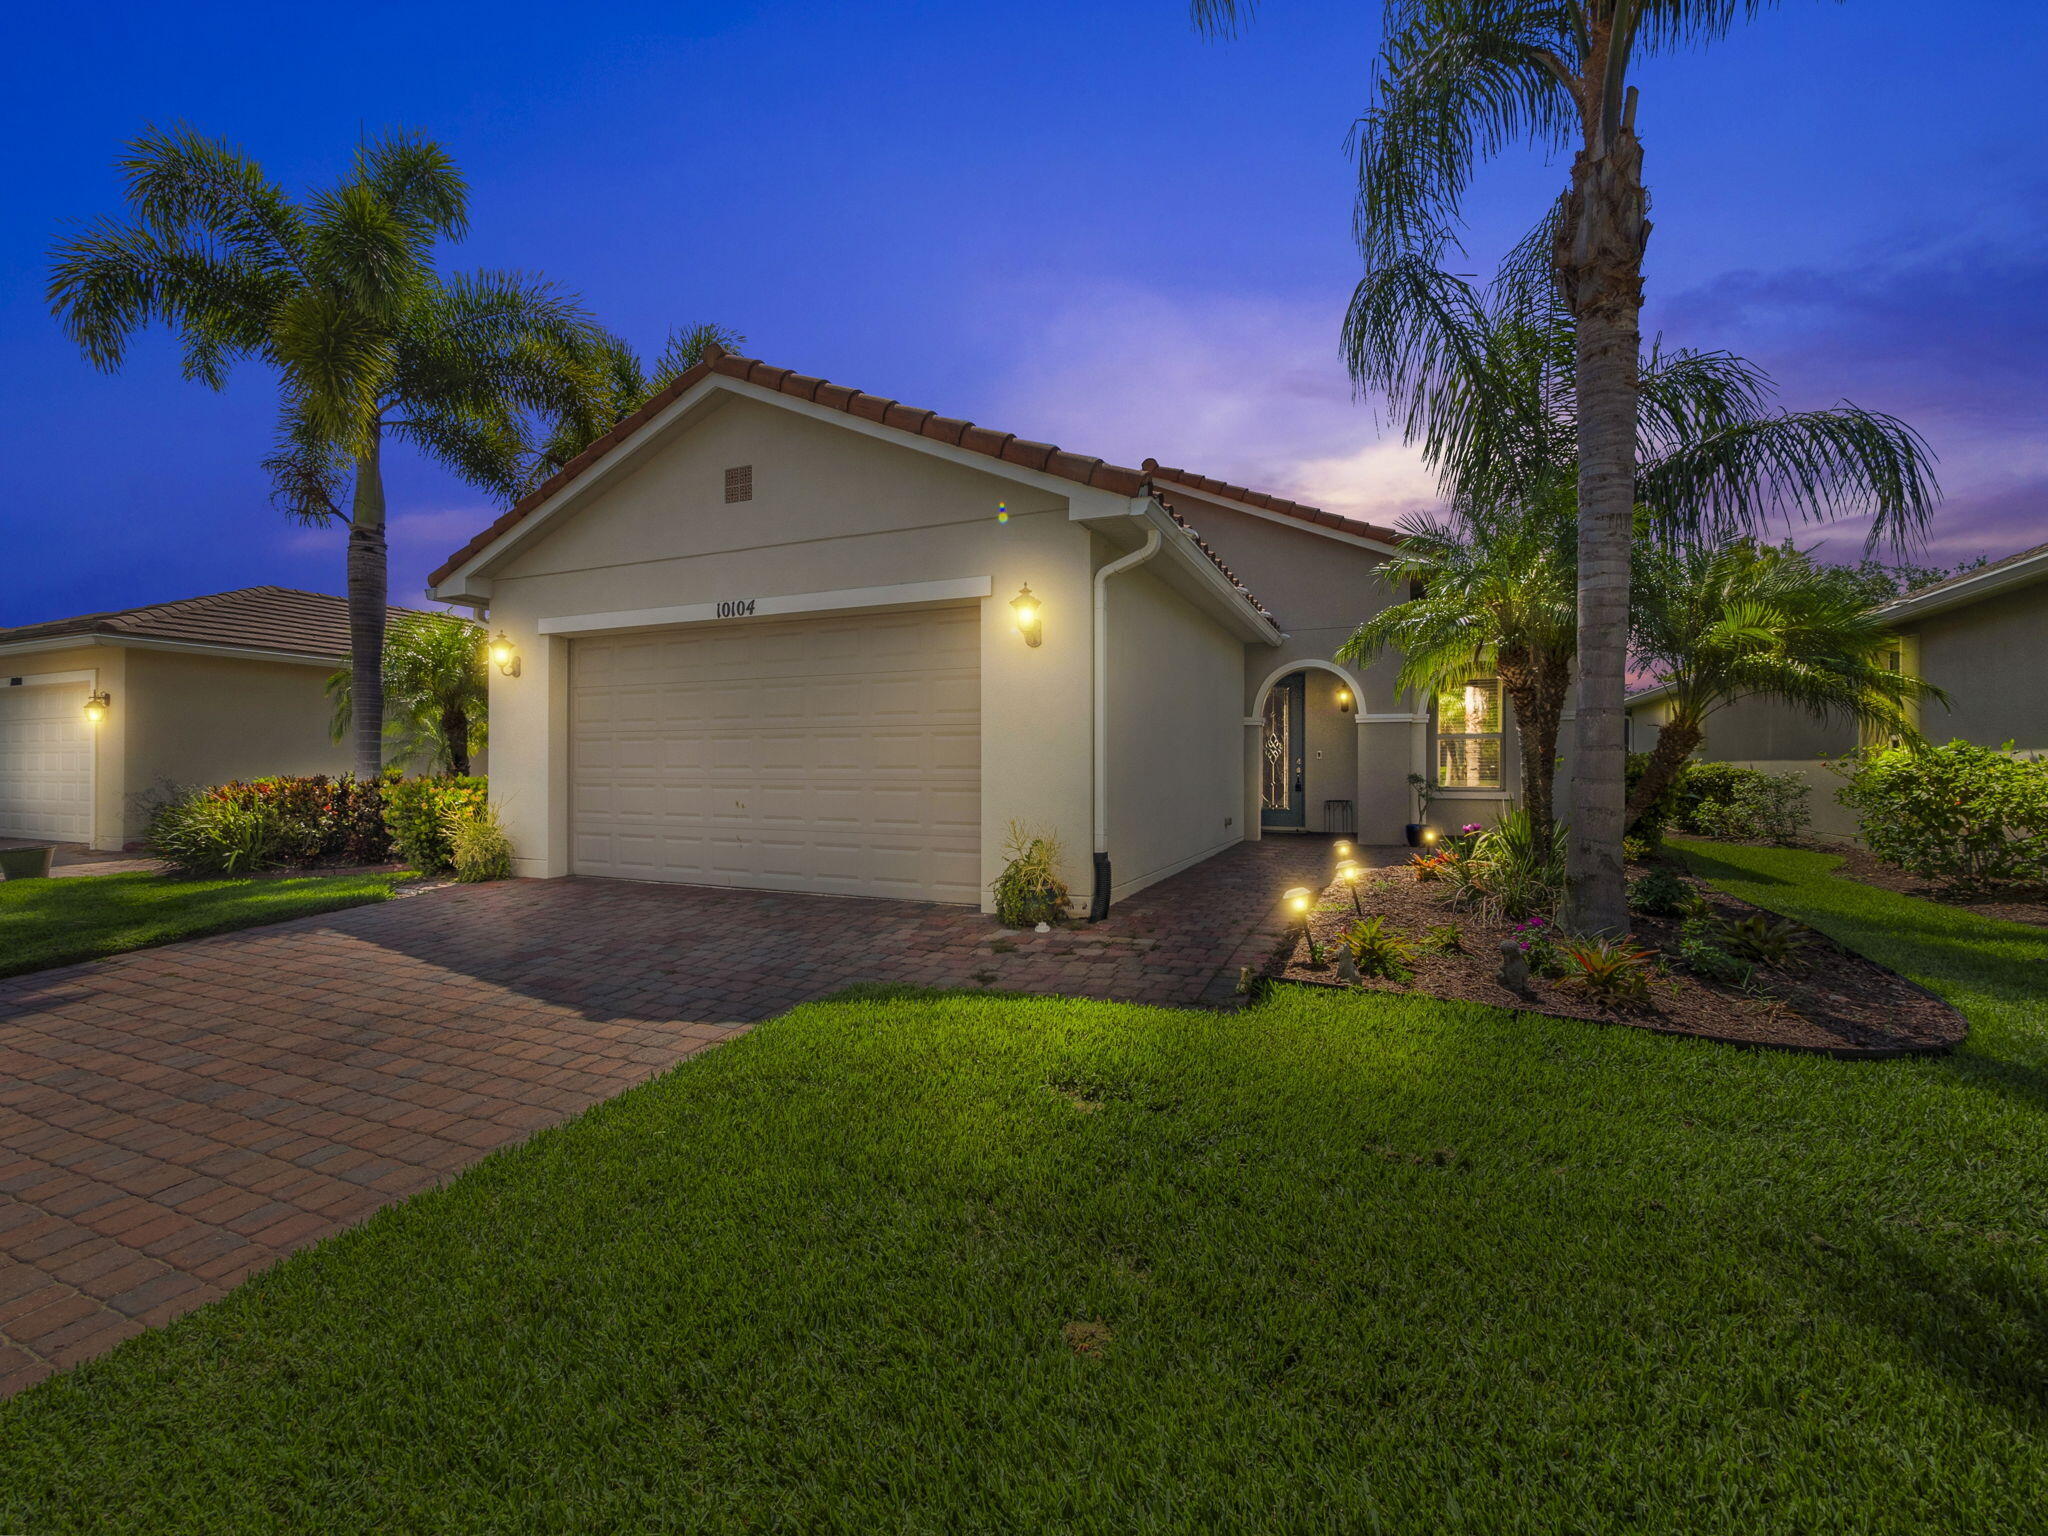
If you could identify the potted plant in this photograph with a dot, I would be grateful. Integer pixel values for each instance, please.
(25, 863)
(1422, 788)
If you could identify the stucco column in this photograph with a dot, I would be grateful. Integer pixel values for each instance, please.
(1254, 780)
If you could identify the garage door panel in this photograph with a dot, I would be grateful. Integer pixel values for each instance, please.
(45, 762)
(839, 755)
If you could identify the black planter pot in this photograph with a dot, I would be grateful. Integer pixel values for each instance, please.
(1413, 832)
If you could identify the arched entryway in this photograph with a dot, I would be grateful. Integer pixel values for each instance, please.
(1302, 751)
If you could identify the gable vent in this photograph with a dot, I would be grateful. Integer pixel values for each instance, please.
(739, 483)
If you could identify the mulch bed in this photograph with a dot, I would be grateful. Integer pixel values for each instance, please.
(1861, 865)
(1832, 1000)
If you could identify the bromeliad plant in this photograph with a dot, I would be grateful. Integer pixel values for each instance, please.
(1615, 971)
(1378, 950)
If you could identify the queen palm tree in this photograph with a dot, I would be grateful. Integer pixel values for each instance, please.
(1491, 597)
(437, 691)
(338, 294)
(1482, 380)
(622, 384)
(1459, 81)
(1734, 620)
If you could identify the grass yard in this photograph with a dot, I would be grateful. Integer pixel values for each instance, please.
(86, 917)
(983, 1264)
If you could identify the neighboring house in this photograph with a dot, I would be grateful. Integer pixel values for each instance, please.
(1981, 637)
(197, 691)
(774, 632)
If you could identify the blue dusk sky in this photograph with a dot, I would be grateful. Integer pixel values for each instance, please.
(1080, 222)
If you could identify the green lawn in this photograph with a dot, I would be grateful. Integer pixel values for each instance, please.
(1365, 1264)
(83, 917)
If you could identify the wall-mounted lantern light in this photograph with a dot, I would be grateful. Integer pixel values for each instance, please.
(504, 654)
(1030, 619)
(1343, 701)
(96, 707)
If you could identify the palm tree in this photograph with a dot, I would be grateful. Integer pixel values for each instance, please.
(1495, 597)
(1482, 380)
(1458, 81)
(623, 383)
(1720, 622)
(339, 296)
(437, 691)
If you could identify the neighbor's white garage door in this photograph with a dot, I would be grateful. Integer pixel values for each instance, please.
(838, 755)
(45, 762)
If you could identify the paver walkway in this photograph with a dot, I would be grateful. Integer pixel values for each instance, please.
(175, 1119)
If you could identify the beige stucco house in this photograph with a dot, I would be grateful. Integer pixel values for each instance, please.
(198, 691)
(778, 633)
(1981, 637)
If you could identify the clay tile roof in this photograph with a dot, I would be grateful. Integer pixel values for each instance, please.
(1215, 558)
(1280, 504)
(1006, 446)
(249, 618)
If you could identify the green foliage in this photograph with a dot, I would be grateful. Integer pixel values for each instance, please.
(1650, 822)
(1030, 891)
(1963, 815)
(1700, 783)
(1616, 971)
(417, 812)
(1441, 939)
(1764, 939)
(436, 692)
(1701, 951)
(478, 848)
(1378, 950)
(1660, 893)
(203, 832)
(1765, 807)
(265, 823)
(1515, 868)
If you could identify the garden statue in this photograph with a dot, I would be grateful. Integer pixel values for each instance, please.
(1514, 967)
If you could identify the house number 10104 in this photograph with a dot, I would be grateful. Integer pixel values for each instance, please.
(737, 608)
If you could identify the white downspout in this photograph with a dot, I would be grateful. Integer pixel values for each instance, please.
(1098, 905)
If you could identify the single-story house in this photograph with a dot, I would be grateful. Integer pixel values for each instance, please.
(778, 633)
(101, 711)
(1980, 637)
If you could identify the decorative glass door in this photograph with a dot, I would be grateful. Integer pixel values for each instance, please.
(1280, 743)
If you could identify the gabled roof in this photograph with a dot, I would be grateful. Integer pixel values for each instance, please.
(1202, 483)
(2028, 565)
(1045, 458)
(248, 618)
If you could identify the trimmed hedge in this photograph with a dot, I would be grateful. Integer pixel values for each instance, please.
(301, 821)
(1961, 815)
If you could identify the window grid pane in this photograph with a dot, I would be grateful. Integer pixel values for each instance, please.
(1468, 762)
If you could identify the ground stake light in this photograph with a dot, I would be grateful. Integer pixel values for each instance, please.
(1299, 901)
(1348, 872)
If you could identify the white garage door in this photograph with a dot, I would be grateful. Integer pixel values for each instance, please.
(45, 762)
(838, 755)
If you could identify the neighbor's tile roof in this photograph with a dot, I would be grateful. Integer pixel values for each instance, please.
(249, 618)
(1007, 446)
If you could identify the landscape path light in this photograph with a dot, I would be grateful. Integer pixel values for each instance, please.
(1348, 872)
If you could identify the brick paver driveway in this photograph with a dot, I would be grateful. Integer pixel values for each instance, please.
(175, 1119)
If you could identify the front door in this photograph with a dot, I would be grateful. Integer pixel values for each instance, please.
(1280, 802)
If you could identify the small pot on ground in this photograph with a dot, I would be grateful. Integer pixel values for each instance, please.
(25, 863)
(1413, 832)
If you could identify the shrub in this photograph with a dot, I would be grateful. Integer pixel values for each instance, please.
(1659, 893)
(1536, 941)
(1029, 891)
(1442, 939)
(1700, 783)
(1616, 971)
(417, 813)
(477, 845)
(1659, 813)
(1765, 939)
(1378, 950)
(1516, 870)
(1961, 815)
(1700, 951)
(1764, 807)
(205, 832)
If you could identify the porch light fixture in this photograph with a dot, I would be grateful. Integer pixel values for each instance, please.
(96, 707)
(1343, 701)
(1348, 872)
(1030, 619)
(504, 654)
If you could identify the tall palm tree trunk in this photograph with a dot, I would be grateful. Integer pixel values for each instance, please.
(368, 589)
(1600, 266)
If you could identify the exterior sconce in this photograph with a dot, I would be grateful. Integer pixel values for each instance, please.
(1030, 619)
(504, 654)
(1348, 872)
(1343, 701)
(96, 707)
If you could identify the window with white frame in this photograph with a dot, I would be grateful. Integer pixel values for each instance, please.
(1468, 735)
